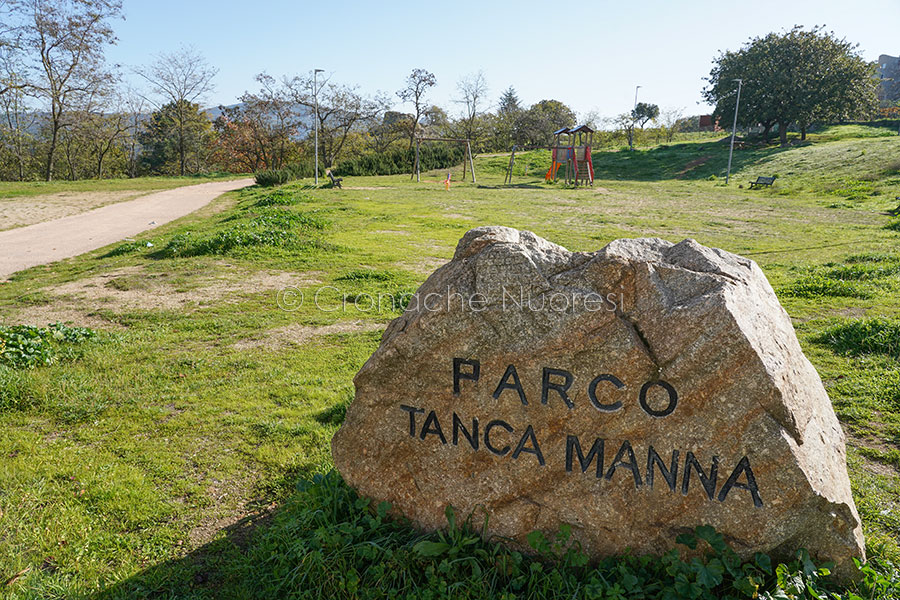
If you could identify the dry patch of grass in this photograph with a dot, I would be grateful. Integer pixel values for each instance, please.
(78, 302)
(22, 211)
(296, 334)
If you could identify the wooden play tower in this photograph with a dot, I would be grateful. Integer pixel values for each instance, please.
(572, 151)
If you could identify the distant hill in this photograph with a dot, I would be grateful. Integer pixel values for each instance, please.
(306, 115)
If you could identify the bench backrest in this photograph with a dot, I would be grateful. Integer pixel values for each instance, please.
(768, 180)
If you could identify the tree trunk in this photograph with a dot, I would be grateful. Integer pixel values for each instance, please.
(181, 152)
(803, 133)
(782, 133)
(51, 153)
(767, 128)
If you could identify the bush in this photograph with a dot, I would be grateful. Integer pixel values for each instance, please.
(396, 162)
(286, 174)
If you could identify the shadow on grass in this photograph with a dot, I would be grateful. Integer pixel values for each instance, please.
(522, 186)
(680, 161)
(217, 569)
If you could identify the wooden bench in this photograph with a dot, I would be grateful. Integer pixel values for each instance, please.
(762, 181)
(335, 181)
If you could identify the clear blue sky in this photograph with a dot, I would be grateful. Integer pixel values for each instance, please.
(589, 54)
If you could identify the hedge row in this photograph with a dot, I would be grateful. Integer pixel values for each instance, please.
(395, 162)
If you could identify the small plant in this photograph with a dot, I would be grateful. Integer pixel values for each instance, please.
(330, 543)
(27, 346)
(126, 248)
(864, 336)
(281, 197)
(365, 275)
(818, 285)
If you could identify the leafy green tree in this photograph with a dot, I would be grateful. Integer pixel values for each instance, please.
(798, 77)
(175, 138)
(644, 112)
(509, 112)
(179, 80)
(538, 123)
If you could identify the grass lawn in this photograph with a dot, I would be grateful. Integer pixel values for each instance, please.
(150, 460)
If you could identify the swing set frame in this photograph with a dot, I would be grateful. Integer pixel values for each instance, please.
(468, 154)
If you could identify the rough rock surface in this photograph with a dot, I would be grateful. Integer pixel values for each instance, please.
(681, 399)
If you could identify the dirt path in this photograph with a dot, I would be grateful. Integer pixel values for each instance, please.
(54, 240)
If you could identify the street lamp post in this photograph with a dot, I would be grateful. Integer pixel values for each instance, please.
(733, 130)
(633, 110)
(316, 99)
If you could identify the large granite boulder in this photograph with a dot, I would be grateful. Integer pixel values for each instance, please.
(633, 393)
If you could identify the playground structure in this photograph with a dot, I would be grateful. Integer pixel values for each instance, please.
(571, 151)
(467, 155)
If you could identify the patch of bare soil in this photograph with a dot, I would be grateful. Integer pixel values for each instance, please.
(874, 466)
(298, 334)
(59, 313)
(692, 165)
(18, 212)
(77, 302)
(426, 264)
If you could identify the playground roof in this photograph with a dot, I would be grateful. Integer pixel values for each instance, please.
(581, 129)
(563, 130)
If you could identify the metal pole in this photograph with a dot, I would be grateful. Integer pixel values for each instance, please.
(316, 98)
(631, 137)
(733, 130)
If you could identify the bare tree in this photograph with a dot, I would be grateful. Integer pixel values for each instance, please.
(472, 90)
(669, 119)
(417, 84)
(270, 120)
(179, 78)
(103, 131)
(342, 111)
(67, 40)
(18, 117)
(134, 107)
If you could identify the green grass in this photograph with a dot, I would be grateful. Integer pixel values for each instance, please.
(163, 459)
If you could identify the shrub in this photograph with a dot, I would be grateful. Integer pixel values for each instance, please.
(288, 173)
(395, 162)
